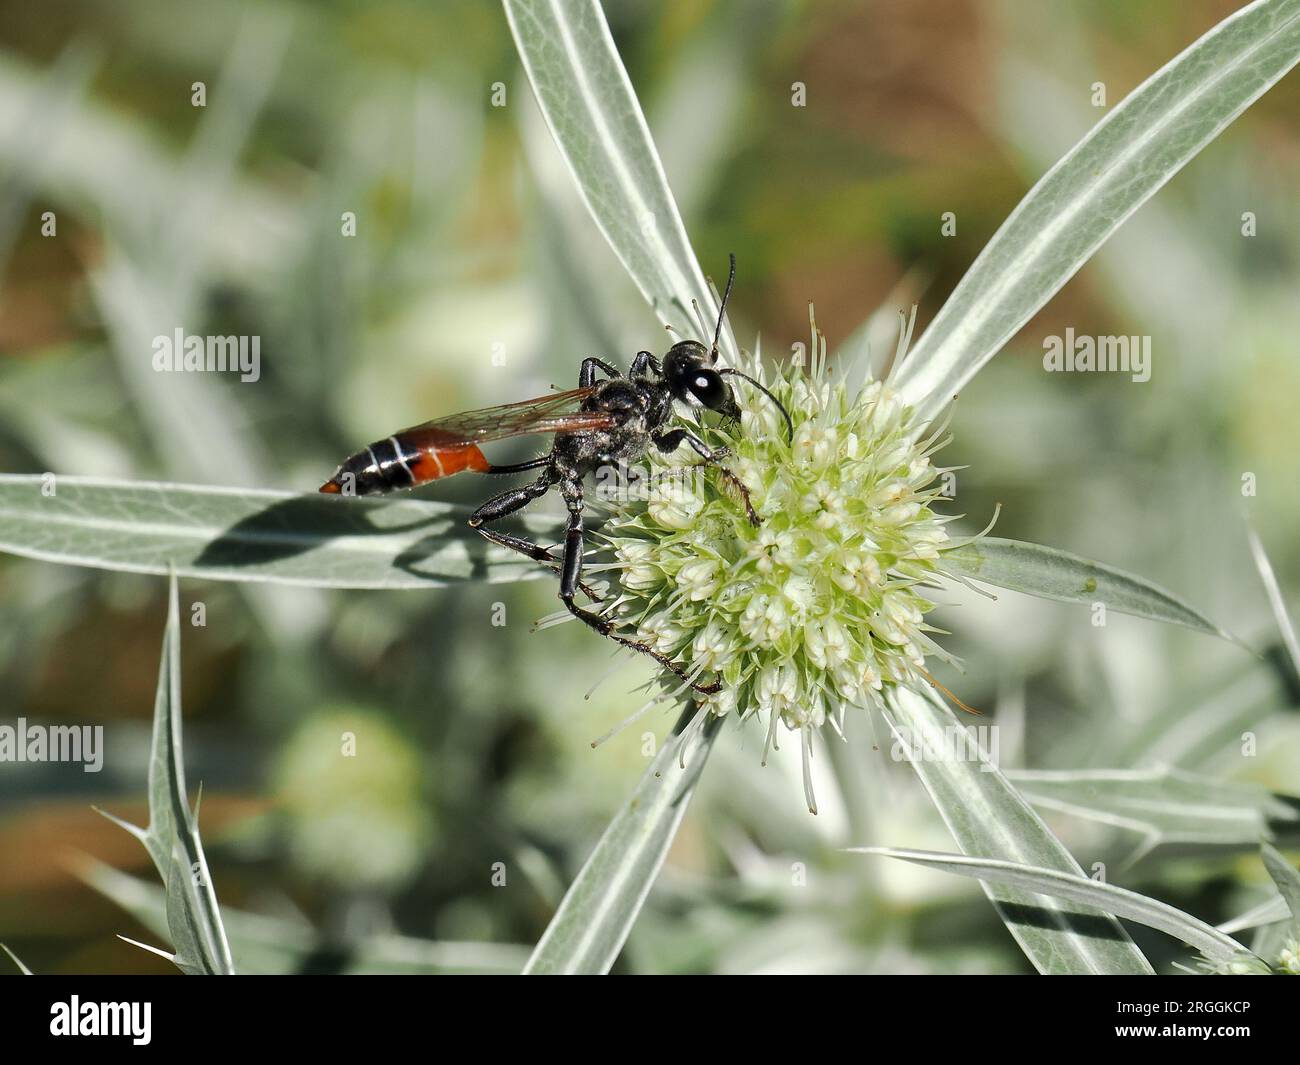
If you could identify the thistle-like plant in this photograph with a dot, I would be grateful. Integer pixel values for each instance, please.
(769, 611)
(818, 612)
(819, 609)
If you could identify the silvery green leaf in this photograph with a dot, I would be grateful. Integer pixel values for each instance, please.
(597, 913)
(1079, 889)
(1286, 878)
(172, 838)
(277, 945)
(594, 115)
(988, 816)
(1275, 600)
(243, 535)
(1192, 732)
(1052, 574)
(1164, 804)
(1270, 911)
(14, 958)
(1085, 197)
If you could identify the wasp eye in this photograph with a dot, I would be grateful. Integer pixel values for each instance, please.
(709, 388)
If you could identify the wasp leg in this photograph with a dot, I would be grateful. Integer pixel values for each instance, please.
(570, 582)
(643, 361)
(507, 503)
(519, 467)
(587, 375)
(670, 441)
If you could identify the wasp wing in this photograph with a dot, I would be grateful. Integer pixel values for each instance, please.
(559, 412)
(450, 445)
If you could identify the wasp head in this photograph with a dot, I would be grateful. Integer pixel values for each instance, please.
(690, 376)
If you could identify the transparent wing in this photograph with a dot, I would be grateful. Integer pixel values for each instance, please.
(559, 412)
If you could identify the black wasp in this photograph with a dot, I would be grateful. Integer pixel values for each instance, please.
(613, 422)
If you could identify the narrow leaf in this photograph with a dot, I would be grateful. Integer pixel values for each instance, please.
(172, 838)
(14, 958)
(1164, 804)
(1270, 911)
(1077, 888)
(1085, 197)
(986, 815)
(280, 945)
(1275, 601)
(1052, 574)
(593, 114)
(597, 913)
(1286, 878)
(239, 535)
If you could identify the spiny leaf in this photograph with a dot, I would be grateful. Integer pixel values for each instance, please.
(276, 945)
(172, 838)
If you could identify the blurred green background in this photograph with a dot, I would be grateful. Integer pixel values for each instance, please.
(475, 277)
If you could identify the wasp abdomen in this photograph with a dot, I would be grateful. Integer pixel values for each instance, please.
(403, 461)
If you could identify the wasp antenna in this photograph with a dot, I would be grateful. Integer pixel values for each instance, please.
(722, 311)
(789, 424)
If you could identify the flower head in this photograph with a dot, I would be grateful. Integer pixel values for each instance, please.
(820, 607)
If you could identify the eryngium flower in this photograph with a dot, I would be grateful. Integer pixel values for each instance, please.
(821, 607)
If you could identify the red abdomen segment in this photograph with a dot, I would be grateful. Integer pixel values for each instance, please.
(404, 461)
(430, 463)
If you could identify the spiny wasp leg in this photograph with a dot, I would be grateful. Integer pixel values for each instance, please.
(507, 503)
(587, 375)
(570, 582)
(672, 440)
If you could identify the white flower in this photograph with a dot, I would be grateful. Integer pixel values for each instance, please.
(711, 647)
(699, 578)
(778, 688)
(827, 643)
(820, 607)
(1289, 959)
(674, 505)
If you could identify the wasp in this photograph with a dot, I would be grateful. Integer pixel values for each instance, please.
(613, 421)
